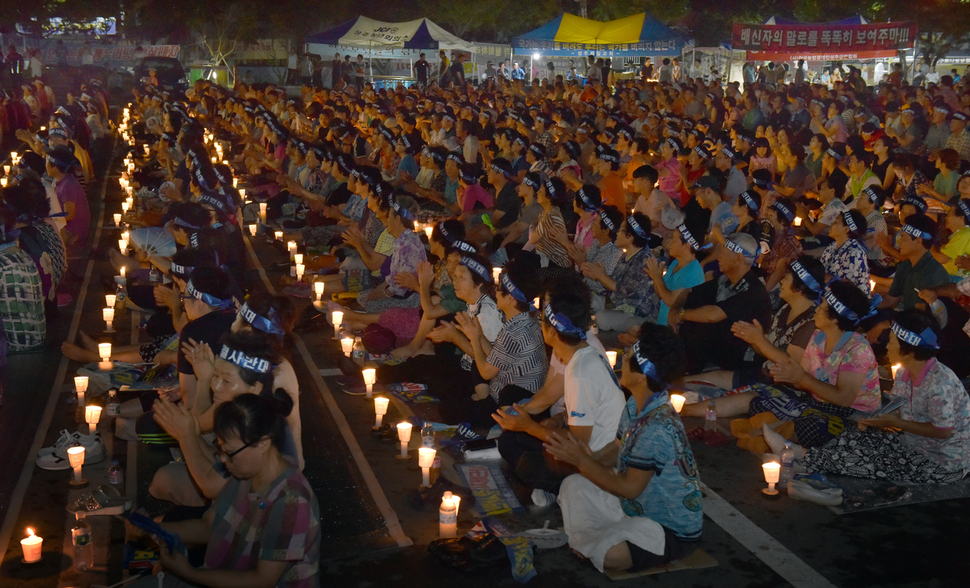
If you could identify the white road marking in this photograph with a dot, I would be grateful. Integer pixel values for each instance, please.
(756, 540)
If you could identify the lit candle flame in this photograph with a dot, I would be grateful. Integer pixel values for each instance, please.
(30, 531)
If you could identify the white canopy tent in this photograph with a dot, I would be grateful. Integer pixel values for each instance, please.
(379, 39)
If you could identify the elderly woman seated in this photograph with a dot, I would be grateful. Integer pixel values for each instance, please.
(927, 441)
(835, 378)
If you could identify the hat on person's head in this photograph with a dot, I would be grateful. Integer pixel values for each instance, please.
(671, 217)
(707, 181)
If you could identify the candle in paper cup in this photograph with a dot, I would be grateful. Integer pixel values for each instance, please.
(380, 409)
(298, 258)
(76, 456)
(92, 414)
(252, 229)
(337, 319)
(278, 235)
(117, 218)
(81, 385)
(611, 356)
(677, 401)
(262, 212)
(32, 546)
(370, 378)
(496, 272)
(425, 461)
(346, 345)
(404, 435)
(772, 471)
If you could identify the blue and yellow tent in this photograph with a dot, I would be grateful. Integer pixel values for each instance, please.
(570, 35)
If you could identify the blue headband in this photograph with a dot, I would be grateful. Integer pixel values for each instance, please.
(849, 221)
(238, 358)
(918, 204)
(964, 209)
(806, 277)
(646, 366)
(513, 290)
(633, 224)
(749, 201)
(270, 324)
(784, 210)
(731, 245)
(926, 339)
(847, 313)
(690, 240)
(606, 221)
(463, 246)
(561, 323)
(498, 169)
(911, 230)
(835, 154)
(185, 224)
(550, 189)
(205, 198)
(530, 183)
(401, 211)
(588, 205)
(182, 270)
(873, 196)
(209, 299)
(476, 267)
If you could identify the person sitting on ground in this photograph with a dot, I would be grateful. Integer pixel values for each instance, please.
(631, 289)
(548, 235)
(602, 253)
(636, 502)
(846, 257)
(452, 367)
(264, 526)
(22, 312)
(787, 336)
(836, 376)
(514, 364)
(674, 282)
(593, 401)
(706, 316)
(244, 364)
(958, 242)
(926, 443)
(434, 285)
(210, 305)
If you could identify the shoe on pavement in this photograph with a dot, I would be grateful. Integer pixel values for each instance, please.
(542, 498)
(58, 460)
(66, 439)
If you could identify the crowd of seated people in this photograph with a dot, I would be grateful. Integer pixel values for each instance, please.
(784, 262)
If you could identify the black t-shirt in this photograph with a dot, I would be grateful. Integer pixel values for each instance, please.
(713, 342)
(421, 70)
(508, 202)
(205, 329)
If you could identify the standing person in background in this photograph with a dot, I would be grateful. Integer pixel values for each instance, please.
(442, 66)
(421, 70)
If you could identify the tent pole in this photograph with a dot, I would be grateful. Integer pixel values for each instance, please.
(727, 78)
(693, 60)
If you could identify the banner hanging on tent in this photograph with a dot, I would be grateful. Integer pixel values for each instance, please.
(823, 42)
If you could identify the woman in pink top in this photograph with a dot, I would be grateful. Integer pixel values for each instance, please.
(588, 201)
(669, 168)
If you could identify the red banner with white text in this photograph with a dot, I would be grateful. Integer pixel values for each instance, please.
(823, 42)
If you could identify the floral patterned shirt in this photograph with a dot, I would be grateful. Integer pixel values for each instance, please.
(936, 396)
(852, 354)
(408, 253)
(850, 262)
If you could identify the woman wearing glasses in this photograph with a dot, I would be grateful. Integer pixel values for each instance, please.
(263, 528)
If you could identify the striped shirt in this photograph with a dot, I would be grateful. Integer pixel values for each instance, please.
(520, 355)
